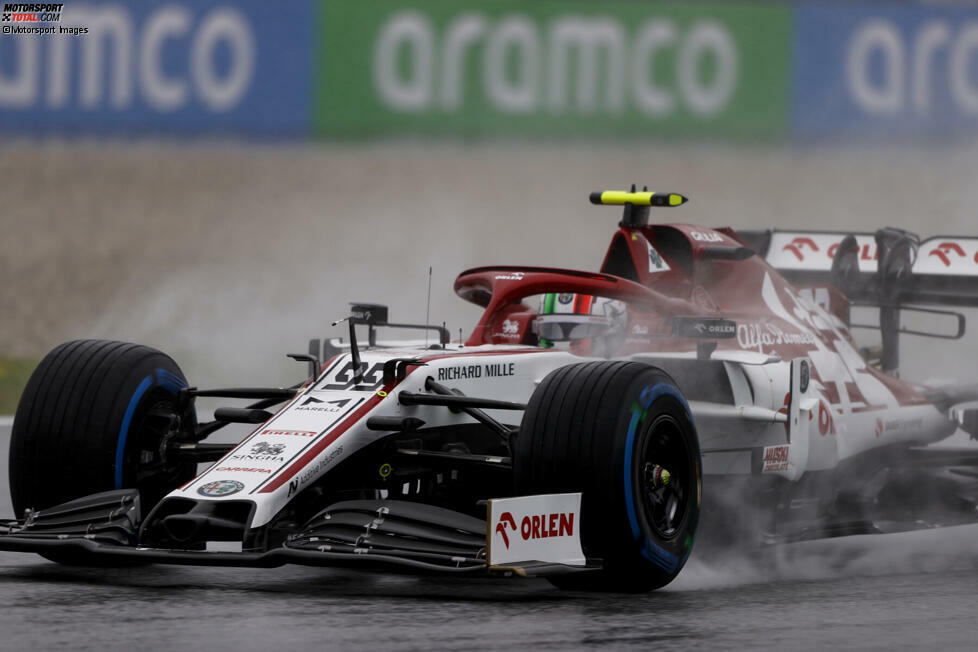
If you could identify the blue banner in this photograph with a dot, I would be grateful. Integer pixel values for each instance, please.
(200, 66)
(248, 67)
(885, 70)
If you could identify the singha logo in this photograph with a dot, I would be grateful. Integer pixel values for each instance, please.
(264, 448)
(511, 327)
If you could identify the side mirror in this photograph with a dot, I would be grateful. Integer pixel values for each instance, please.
(373, 314)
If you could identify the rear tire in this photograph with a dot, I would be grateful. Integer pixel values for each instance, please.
(605, 429)
(96, 415)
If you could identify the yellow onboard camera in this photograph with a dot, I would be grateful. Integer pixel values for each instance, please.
(636, 204)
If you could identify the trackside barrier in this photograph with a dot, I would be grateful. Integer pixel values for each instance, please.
(345, 69)
(180, 67)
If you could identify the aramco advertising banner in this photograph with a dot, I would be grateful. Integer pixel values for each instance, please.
(623, 69)
(885, 70)
(190, 66)
(553, 67)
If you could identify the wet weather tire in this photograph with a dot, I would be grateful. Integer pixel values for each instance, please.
(609, 430)
(96, 415)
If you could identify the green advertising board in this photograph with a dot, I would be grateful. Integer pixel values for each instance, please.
(551, 68)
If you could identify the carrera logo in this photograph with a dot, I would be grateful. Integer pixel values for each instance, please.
(798, 246)
(243, 469)
(944, 251)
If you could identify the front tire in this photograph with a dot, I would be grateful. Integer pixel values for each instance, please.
(97, 415)
(610, 430)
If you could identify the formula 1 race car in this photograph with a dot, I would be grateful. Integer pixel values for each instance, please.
(570, 436)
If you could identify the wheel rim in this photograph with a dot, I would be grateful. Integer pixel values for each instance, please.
(149, 468)
(663, 474)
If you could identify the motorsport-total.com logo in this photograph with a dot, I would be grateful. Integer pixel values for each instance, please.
(31, 18)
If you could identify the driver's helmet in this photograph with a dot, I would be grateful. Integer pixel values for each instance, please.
(584, 324)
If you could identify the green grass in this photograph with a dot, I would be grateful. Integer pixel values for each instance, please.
(14, 373)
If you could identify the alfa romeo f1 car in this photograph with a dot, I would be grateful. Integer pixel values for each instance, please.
(570, 436)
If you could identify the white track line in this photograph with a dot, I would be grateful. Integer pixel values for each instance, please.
(6, 421)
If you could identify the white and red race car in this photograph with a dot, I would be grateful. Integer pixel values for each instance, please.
(571, 436)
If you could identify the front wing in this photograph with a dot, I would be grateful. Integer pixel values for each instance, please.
(104, 529)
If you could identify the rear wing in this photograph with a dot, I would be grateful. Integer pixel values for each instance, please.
(889, 269)
(942, 270)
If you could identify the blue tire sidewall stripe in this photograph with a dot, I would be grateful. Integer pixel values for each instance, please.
(650, 550)
(159, 378)
(169, 381)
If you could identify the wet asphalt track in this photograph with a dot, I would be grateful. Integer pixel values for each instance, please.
(907, 591)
